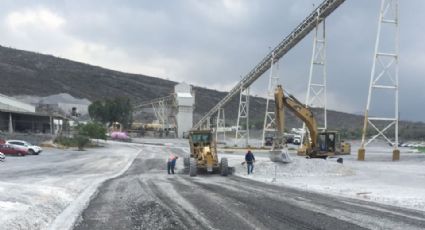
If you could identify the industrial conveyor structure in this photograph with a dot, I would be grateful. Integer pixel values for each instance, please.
(307, 25)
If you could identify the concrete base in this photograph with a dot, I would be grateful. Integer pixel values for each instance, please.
(361, 154)
(302, 151)
(396, 155)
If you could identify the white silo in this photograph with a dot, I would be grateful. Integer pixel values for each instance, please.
(185, 101)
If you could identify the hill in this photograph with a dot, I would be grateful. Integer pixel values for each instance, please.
(29, 73)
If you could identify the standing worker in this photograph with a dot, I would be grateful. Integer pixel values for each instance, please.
(249, 159)
(171, 163)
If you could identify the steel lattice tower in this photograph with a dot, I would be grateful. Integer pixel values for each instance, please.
(220, 125)
(384, 78)
(242, 125)
(316, 89)
(269, 125)
(160, 109)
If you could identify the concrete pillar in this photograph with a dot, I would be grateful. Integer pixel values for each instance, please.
(10, 123)
(51, 125)
(396, 155)
(361, 154)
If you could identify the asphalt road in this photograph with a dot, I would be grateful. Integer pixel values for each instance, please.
(145, 197)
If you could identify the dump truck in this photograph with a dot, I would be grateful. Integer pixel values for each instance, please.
(203, 155)
(319, 144)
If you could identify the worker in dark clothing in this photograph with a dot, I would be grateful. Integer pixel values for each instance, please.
(171, 163)
(249, 160)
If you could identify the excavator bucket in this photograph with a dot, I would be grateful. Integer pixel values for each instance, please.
(280, 155)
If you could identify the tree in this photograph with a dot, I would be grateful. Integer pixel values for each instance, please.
(97, 111)
(93, 130)
(107, 111)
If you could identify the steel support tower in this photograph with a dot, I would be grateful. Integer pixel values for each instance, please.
(384, 78)
(220, 126)
(164, 108)
(242, 125)
(269, 125)
(316, 89)
(160, 110)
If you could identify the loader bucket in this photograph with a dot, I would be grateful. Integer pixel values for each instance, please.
(280, 155)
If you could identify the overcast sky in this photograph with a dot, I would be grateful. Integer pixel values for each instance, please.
(212, 43)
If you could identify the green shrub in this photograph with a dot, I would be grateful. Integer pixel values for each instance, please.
(81, 141)
(92, 130)
(82, 138)
(65, 141)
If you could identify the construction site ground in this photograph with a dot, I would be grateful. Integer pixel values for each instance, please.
(125, 186)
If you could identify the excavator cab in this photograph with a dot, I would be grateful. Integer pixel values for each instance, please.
(329, 144)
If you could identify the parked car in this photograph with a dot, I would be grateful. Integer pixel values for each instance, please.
(8, 149)
(2, 156)
(31, 149)
(268, 141)
(297, 140)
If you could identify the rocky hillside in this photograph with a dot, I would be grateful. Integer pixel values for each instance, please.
(29, 73)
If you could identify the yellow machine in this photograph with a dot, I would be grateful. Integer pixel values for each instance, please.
(203, 154)
(321, 144)
(115, 127)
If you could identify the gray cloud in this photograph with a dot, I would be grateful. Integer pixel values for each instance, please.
(213, 43)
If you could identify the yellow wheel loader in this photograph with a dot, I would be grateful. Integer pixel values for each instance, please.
(203, 155)
(319, 144)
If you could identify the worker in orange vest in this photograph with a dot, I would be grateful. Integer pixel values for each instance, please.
(171, 163)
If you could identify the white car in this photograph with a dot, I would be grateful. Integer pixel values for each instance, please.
(297, 140)
(32, 149)
(2, 156)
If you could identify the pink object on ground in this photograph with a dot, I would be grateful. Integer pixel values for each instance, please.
(119, 135)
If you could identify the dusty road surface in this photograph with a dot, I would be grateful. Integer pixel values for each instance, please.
(37, 191)
(145, 197)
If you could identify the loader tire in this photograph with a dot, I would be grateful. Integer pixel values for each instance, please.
(224, 167)
(193, 167)
(186, 162)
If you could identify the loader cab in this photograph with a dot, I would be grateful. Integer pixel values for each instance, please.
(203, 154)
(200, 139)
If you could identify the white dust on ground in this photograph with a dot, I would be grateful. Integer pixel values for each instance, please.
(58, 183)
(377, 179)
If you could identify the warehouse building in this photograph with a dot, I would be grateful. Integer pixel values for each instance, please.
(17, 116)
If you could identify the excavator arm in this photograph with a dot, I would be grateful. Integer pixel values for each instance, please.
(299, 109)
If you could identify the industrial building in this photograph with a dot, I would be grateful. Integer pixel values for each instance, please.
(17, 116)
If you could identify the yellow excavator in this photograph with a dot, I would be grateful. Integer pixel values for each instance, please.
(319, 144)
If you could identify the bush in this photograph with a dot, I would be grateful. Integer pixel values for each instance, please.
(85, 132)
(65, 141)
(92, 130)
(81, 141)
